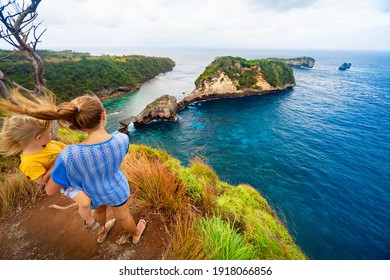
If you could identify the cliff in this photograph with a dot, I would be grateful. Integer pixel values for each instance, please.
(210, 216)
(304, 61)
(116, 92)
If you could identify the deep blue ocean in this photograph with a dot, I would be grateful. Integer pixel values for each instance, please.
(319, 153)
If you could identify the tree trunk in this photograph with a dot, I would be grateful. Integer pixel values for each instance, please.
(31, 55)
(4, 92)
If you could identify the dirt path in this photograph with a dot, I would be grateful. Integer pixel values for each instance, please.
(40, 232)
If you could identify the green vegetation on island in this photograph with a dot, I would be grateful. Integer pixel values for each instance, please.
(275, 72)
(70, 74)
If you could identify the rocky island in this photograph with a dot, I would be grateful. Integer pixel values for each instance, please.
(226, 77)
(345, 66)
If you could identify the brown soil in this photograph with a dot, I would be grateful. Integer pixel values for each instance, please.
(37, 231)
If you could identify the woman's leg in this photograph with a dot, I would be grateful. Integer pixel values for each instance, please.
(100, 214)
(122, 214)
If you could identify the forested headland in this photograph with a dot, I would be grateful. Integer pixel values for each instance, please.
(69, 74)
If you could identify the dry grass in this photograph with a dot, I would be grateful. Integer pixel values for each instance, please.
(14, 189)
(154, 183)
(123, 239)
(8, 165)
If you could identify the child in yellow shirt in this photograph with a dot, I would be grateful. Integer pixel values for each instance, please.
(35, 165)
(32, 137)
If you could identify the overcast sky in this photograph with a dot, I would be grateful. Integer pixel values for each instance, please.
(87, 25)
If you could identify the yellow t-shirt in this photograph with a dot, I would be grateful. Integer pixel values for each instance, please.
(36, 164)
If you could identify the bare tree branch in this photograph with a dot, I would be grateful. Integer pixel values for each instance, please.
(10, 41)
(37, 39)
(18, 24)
(5, 93)
(13, 84)
(4, 57)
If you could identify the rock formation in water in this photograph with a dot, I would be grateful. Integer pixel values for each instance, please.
(163, 108)
(345, 66)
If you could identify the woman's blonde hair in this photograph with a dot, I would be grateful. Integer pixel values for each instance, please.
(18, 131)
(81, 113)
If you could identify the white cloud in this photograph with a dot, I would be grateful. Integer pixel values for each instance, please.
(281, 5)
(101, 24)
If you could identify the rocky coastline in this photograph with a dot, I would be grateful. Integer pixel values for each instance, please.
(112, 93)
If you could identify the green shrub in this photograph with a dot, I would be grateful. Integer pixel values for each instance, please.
(245, 208)
(222, 242)
(71, 137)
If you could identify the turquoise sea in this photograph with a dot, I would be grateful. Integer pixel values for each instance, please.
(319, 153)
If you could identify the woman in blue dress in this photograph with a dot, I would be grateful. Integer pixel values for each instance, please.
(92, 166)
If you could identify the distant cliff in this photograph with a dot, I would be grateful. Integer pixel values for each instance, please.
(304, 61)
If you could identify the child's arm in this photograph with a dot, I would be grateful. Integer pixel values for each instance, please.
(45, 177)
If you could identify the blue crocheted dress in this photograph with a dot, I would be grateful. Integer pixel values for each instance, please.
(95, 169)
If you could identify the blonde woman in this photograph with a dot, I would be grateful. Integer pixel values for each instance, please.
(92, 166)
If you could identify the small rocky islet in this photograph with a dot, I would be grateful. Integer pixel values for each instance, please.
(345, 66)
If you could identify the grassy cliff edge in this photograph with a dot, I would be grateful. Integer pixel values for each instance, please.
(205, 217)
(210, 219)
